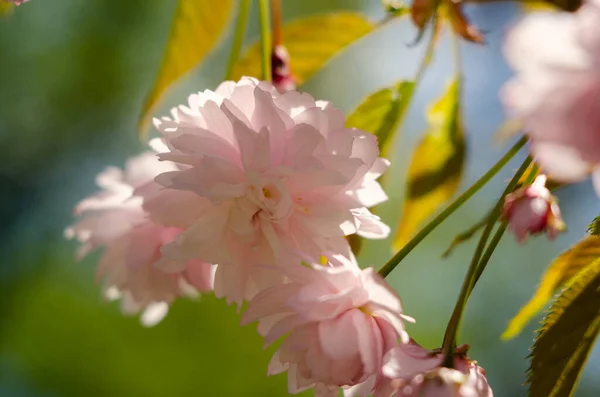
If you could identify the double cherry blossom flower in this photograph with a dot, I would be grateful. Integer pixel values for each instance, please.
(272, 175)
(114, 219)
(252, 193)
(341, 321)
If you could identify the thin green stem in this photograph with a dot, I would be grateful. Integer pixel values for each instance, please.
(468, 283)
(498, 236)
(238, 36)
(265, 39)
(406, 249)
(456, 56)
(428, 55)
(488, 253)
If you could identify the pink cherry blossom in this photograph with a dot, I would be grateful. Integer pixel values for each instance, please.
(410, 370)
(532, 210)
(18, 2)
(114, 219)
(341, 321)
(556, 90)
(272, 175)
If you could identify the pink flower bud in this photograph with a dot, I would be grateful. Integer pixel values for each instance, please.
(532, 210)
(280, 65)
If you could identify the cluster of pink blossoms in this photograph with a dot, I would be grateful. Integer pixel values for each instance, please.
(250, 192)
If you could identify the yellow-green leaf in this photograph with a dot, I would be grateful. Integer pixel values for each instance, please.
(381, 112)
(531, 6)
(6, 7)
(566, 337)
(197, 26)
(311, 42)
(562, 269)
(437, 165)
(536, 5)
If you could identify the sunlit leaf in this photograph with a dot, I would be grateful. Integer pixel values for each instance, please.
(534, 5)
(594, 226)
(567, 335)
(311, 42)
(197, 26)
(531, 6)
(562, 269)
(381, 112)
(6, 7)
(437, 165)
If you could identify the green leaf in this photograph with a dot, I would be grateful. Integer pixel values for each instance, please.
(437, 165)
(311, 42)
(567, 335)
(563, 268)
(381, 112)
(6, 8)
(197, 26)
(594, 227)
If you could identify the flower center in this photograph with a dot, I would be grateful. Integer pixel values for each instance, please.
(270, 200)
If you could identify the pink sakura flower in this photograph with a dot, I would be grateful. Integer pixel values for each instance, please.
(114, 219)
(532, 210)
(410, 370)
(272, 174)
(341, 320)
(18, 2)
(556, 90)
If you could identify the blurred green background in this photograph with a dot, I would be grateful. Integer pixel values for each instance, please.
(73, 75)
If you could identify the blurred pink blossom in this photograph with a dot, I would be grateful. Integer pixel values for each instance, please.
(114, 219)
(283, 79)
(556, 89)
(272, 175)
(18, 2)
(341, 321)
(410, 370)
(532, 210)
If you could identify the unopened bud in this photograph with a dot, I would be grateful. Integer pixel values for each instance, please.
(282, 74)
(532, 210)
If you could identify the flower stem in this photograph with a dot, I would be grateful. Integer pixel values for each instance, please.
(473, 272)
(498, 236)
(238, 36)
(265, 39)
(276, 22)
(481, 182)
